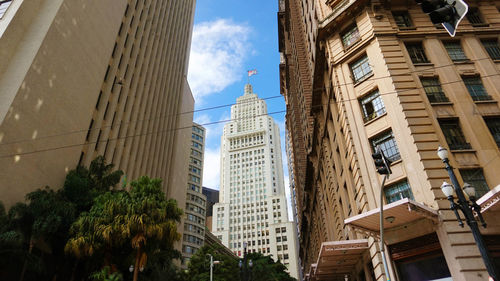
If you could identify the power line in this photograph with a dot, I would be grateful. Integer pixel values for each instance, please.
(133, 136)
(231, 104)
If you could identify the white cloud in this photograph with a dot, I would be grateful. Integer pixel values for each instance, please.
(218, 50)
(211, 168)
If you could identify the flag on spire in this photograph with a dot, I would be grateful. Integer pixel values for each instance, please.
(252, 72)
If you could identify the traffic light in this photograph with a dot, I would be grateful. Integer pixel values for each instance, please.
(449, 13)
(382, 164)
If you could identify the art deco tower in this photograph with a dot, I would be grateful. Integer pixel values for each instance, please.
(252, 210)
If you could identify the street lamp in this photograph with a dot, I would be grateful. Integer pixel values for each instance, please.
(244, 272)
(466, 207)
(212, 262)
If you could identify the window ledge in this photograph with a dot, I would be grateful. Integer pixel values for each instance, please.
(462, 150)
(496, 60)
(375, 119)
(352, 45)
(485, 101)
(423, 64)
(397, 161)
(467, 61)
(407, 28)
(480, 24)
(363, 79)
(442, 103)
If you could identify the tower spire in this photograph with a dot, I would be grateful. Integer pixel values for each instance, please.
(248, 89)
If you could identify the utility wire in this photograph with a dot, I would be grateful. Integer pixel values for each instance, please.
(133, 136)
(231, 104)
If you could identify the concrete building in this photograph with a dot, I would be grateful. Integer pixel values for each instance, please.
(252, 206)
(80, 79)
(360, 74)
(212, 198)
(196, 201)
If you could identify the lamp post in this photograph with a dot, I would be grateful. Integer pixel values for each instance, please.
(212, 262)
(466, 207)
(244, 272)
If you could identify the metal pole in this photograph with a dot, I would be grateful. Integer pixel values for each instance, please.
(471, 221)
(211, 267)
(382, 248)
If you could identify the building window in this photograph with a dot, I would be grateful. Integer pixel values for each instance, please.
(398, 191)
(402, 19)
(453, 134)
(4, 5)
(372, 106)
(387, 144)
(475, 177)
(493, 124)
(351, 36)
(361, 69)
(416, 52)
(455, 51)
(491, 46)
(433, 90)
(474, 16)
(476, 88)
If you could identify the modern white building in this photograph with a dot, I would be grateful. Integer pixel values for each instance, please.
(252, 205)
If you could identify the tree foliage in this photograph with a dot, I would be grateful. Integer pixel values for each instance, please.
(264, 268)
(140, 219)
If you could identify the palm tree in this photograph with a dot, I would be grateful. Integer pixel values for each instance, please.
(138, 217)
(150, 216)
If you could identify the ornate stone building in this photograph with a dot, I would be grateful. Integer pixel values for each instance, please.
(360, 74)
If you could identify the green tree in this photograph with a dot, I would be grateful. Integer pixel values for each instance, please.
(266, 269)
(140, 218)
(43, 221)
(83, 185)
(199, 266)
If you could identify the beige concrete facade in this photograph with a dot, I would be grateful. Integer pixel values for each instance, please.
(373, 68)
(80, 79)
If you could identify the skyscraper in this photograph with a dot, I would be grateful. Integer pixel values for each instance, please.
(81, 79)
(252, 207)
(196, 201)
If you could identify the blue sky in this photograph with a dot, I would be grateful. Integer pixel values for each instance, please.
(229, 38)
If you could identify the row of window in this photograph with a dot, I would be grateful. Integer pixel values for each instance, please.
(361, 68)
(402, 189)
(454, 50)
(403, 19)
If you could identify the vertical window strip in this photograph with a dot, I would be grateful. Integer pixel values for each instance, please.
(351, 36)
(475, 177)
(361, 69)
(372, 106)
(476, 88)
(388, 145)
(493, 124)
(433, 90)
(417, 53)
(492, 48)
(398, 191)
(455, 51)
(453, 134)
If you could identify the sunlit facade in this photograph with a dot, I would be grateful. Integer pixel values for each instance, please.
(252, 207)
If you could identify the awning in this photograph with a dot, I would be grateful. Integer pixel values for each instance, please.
(337, 258)
(396, 214)
(490, 201)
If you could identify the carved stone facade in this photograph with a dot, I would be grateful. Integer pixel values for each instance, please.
(360, 74)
